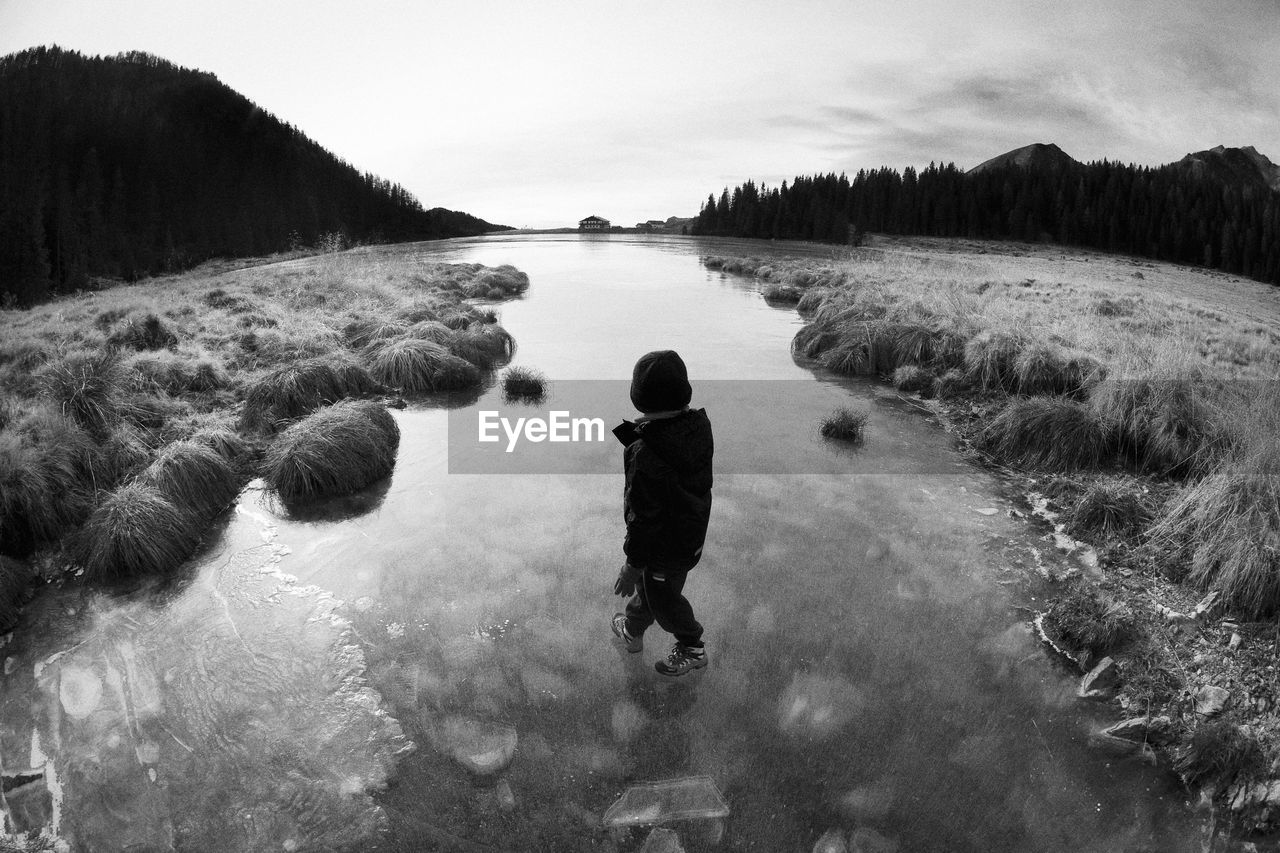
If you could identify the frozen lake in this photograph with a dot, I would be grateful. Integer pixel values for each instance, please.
(357, 679)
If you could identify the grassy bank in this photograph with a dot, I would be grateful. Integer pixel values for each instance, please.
(131, 417)
(1139, 398)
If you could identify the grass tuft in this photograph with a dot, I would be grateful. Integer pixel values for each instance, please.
(483, 345)
(194, 477)
(335, 451)
(912, 379)
(1046, 432)
(524, 383)
(991, 359)
(1167, 426)
(146, 333)
(1085, 619)
(298, 389)
(845, 424)
(370, 332)
(86, 387)
(46, 466)
(1110, 508)
(954, 383)
(1218, 752)
(782, 294)
(421, 367)
(135, 531)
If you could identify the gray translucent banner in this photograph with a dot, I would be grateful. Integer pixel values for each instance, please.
(760, 427)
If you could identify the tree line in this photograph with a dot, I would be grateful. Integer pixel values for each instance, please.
(1165, 212)
(127, 166)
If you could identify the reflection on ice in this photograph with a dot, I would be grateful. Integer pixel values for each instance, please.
(818, 706)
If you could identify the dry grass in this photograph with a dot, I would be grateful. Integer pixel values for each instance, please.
(1085, 619)
(421, 367)
(335, 451)
(1219, 752)
(843, 424)
(94, 387)
(299, 389)
(1053, 433)
(136, 531)
(524, 383)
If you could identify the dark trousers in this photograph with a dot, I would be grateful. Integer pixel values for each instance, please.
(659, 599)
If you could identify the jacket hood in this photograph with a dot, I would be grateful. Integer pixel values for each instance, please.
(660, 382)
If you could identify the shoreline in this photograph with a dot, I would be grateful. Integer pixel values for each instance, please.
(1189, 679)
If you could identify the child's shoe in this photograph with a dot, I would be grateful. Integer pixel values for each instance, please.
(681, 660)
(633, 644)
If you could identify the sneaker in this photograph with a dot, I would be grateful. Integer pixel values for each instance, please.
(681, 660)
(633, 644)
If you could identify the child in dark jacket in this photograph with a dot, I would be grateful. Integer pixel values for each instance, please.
(666, 504)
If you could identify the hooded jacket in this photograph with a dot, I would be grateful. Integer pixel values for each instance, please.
(666, 501)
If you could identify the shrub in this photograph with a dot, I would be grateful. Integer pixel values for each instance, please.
(148, 333)
(86, 387)
(1046, 432)
(335, 451)
(912, 379)
(298, 389)
(421, 367)
(1166, 425)
(135, 531)
(845, 424)
(951, 384)
(523, 383)
(193, 477)
(1085, 619)
(990, 359)
(14, 578)
(1219, 752)
(1109, 508)
(1227, 526)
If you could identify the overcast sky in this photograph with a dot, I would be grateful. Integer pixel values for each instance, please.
(537, 113)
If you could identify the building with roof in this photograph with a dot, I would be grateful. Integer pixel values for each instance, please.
(593, 223)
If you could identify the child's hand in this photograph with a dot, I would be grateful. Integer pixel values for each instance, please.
(628, 577)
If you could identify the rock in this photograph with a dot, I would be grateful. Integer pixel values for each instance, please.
(544, 687)
(481, 747)
(1207, 604)
(1101, 682)
(662, 840)
(80, 691)
(1235, 642)
(1121, 747)
(817, 706)
(864, 839)
(1141, 729)
(831, 841)
(1210, 700)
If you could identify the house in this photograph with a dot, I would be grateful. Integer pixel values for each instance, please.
(593, 223)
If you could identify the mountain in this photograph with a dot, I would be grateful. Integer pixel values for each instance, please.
(1243, 166)
(128, 165)
(1035, 156)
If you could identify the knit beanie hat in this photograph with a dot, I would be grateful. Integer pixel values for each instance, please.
(660, 382)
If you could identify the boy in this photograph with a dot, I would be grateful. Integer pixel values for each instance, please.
(666, 503)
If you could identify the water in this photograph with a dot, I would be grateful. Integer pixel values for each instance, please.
(356, 679)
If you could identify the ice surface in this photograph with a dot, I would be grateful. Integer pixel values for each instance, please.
(690, 798)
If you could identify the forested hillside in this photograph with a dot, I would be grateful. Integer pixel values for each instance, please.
(129, 165)
(1171, 212)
